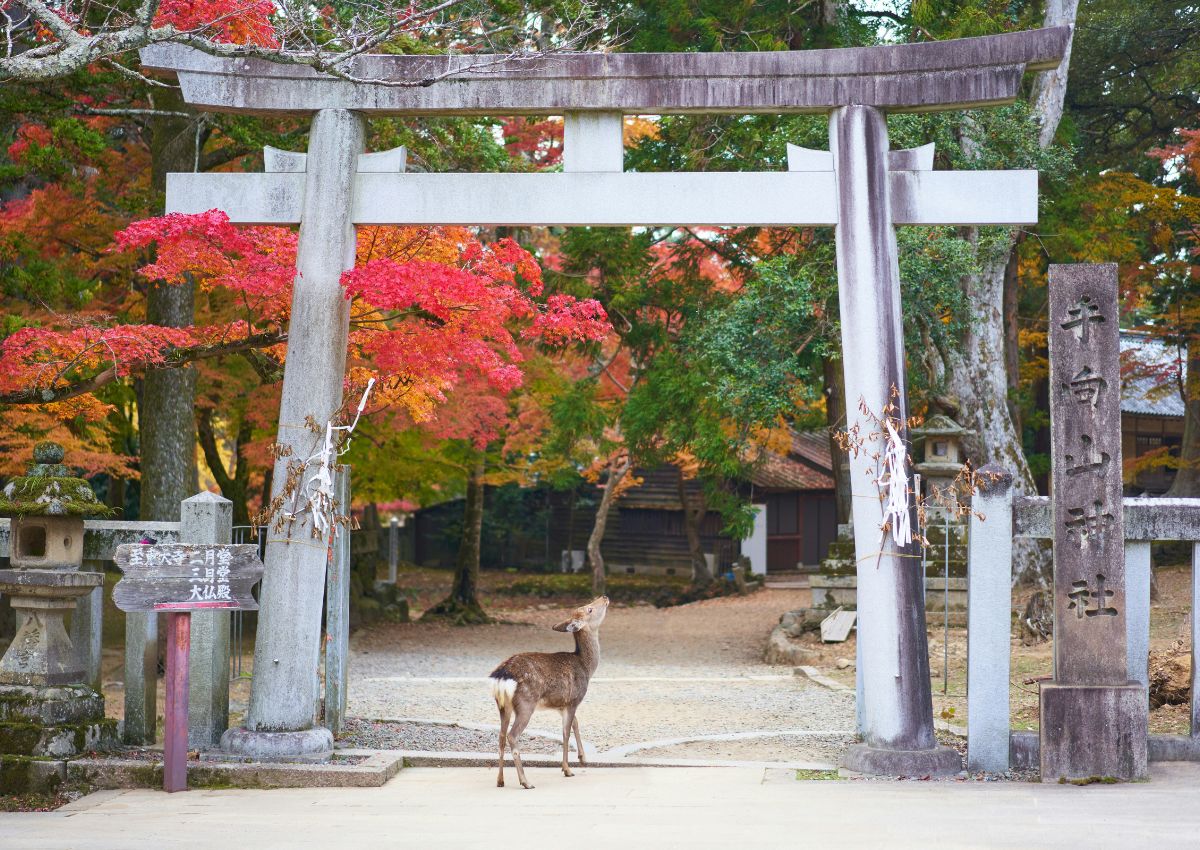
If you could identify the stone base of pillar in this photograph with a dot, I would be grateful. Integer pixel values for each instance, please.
(309, 745)
(1093, 731)
(939, 761)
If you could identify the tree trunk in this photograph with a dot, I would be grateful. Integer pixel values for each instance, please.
(166, 404)
(233, 487)
(617, 470)
(693, 516)
(835, 415)
(462, 605)
(1012, 342)
(976, 379)
(1187, 478)
(976, 376)
(1050, 87)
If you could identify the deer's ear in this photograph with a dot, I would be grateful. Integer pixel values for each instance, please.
(568, 626)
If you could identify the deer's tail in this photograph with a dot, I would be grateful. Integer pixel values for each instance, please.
(503, 688)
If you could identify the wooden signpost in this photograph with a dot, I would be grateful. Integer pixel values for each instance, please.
(176, 579)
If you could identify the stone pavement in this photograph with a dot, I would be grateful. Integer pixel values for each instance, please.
(631, 808)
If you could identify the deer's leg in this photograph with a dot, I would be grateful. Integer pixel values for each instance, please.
(578, 741)
(568, 717)
(522, 712)
(505, 715)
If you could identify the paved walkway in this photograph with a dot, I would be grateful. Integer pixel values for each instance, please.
(685, 682)
(630, 808)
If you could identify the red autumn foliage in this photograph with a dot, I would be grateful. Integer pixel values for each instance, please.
(432, 308)
(239, 22)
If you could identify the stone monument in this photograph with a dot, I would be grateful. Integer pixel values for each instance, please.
(46, 707)
(1093, 719)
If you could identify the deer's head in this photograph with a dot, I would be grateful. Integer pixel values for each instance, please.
(588, 616)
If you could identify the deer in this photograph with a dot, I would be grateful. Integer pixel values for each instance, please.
(558, 680)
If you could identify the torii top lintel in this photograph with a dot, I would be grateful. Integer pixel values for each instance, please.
(919, 77)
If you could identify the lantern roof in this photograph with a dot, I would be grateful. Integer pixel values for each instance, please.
(940, 425)
(49, 489)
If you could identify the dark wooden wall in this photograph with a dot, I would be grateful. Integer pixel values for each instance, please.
(531, 527)
(800, 526)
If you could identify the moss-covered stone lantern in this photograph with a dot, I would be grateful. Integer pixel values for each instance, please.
(46, 709)
(943, 459)
(47, 508)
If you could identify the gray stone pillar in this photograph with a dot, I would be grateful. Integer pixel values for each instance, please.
(141, 678)
(1195, 633)
(1137, 609)
(287, 651)
(87, 628)
(207, 518)
(393, 548)
(897, 709)
(989, 617)
(337, 612)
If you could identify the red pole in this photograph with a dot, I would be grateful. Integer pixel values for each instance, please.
(175, 740)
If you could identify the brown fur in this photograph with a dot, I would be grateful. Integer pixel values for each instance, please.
(557, 680)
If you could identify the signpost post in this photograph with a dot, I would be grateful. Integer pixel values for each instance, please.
(177, 579)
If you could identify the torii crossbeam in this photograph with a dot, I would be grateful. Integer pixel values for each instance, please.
(859, 187)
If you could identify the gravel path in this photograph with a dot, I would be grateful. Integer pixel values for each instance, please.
(683, 672)
(429, 737)
(814, 748)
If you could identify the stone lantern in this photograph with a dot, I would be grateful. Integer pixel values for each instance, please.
(942, 460)
(41, 676)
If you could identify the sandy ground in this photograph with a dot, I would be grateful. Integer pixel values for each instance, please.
(691, 672)
(1033, 662)
(666, 674)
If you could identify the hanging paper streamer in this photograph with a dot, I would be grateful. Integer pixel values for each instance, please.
(316, 493)
(895, 479)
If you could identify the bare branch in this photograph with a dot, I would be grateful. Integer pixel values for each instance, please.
(134, 113)
(304, 39)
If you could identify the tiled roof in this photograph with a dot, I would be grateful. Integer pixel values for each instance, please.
(1144, 389)
(808, 466)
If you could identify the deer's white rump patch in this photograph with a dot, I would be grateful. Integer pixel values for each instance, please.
(503, 690)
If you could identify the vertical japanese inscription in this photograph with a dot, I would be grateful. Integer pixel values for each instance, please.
(1085, 413)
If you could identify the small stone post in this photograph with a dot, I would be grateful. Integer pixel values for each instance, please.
(1195, 641)
(1137, 609)
(337, 611)
(1093, 718)
(207, 518)
(1195, 632)
(989, 613)
(87, 627)
(896, 707)
(141, 678)
(393, 548)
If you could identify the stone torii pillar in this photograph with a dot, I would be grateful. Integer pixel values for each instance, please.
(893, 652)
(862, 189)
(286, 652)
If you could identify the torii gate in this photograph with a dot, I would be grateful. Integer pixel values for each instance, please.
(860, 188)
